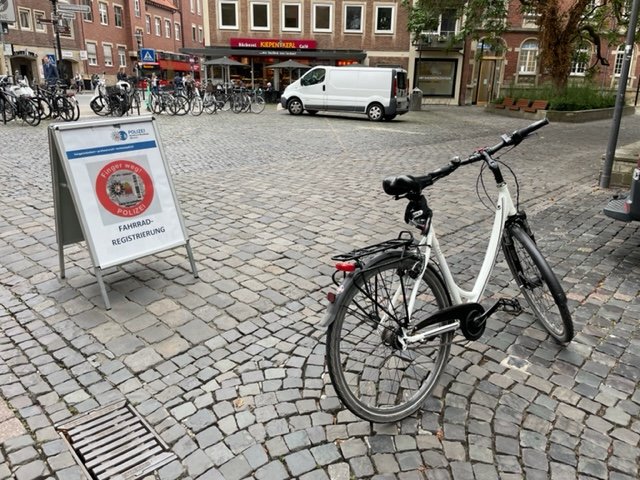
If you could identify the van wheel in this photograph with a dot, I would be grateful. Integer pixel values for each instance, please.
(375, 112)
(295, 106)
(312, 112)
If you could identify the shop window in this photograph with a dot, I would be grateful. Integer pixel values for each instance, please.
(291, 13)
(528, 59)
(436, 78)
(228, 14)
(104, 13)
(108, 55)
(122, 56)
(92, 53)
(88, 17)
(384, 19)
(39, 26)
(117, 16)
(158, 26)
(25, 18)
(353, 18)
(260, 16)
(177, 29)
(322, 18)
(167, 28)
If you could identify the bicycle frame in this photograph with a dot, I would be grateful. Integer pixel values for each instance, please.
(429, 245)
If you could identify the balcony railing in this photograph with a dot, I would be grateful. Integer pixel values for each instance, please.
(437, 41)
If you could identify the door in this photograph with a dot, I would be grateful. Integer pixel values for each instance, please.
(313, 90)
(486, 79)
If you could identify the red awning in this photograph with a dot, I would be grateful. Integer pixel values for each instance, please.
(175, 65)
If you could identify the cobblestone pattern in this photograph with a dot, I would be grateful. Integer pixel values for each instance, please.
(229, 368)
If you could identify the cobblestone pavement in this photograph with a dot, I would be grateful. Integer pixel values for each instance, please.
(229, 368)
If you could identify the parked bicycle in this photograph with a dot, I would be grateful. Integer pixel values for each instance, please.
(392, 322)
(17, 105)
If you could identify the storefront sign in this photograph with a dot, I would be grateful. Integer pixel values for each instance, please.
(272, 43)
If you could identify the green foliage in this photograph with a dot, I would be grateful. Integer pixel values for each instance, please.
(573, 97)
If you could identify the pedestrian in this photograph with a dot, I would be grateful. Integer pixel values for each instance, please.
(177, 82)
(78, 80)
(122, 75)
(94, 81)
(154, 83)
(189, 84)
(50, 71)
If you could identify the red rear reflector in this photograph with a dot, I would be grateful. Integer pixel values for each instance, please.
(345, 266)
(331, 296)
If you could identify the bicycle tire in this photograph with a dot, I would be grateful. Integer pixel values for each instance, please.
(364, 338)
(29, 112)
(99, 106)
(257, 104)
(180, 105)
(44, 108)
(197, 105)
(538, 284)
(8, 111)
(64, 108)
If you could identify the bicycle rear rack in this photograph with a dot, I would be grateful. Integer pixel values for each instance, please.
(405, 240)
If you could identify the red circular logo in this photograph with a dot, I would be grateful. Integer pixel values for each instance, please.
(124, 188)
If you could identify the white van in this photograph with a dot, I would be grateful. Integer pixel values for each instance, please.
(379, 92)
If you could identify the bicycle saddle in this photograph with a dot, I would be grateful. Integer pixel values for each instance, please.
(400, 185)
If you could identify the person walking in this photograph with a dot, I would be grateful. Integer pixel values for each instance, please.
(50, 71)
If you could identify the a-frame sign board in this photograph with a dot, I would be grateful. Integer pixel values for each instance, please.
(112, 187)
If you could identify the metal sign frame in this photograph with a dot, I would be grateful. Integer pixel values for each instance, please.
(71, 202)
(7, 11)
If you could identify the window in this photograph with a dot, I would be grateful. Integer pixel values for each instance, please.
(25, 18)
(291, 17)
(200, 35)
(313, 77)
(139, 36)
(92, 53)
(437, 78)
(528, 60)
(194, 32)
(104, 14)
(228, 14)
(192, 5)
(167, 28)
(617, 66)
(322, 18)
(177, 29)
(136, 7)
(260, 16)
(147, 24)
(122, 56)
(580, 59)
(530, 20)
(157, 26)
(108, 55)
(40, 27)
(66, 28)
(117, 16)
(199, 6)
(353, 18)
(88, 17)
(384, 19)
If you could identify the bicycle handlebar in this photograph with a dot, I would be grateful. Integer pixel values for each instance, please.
(409, 184)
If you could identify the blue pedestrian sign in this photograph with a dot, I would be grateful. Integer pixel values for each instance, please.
(147, 55)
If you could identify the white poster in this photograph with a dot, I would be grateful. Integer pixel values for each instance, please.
(122, 191)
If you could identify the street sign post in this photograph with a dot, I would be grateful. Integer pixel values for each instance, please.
(147, 55)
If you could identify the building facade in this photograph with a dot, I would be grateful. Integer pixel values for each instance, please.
(108, 36)
(260, 33)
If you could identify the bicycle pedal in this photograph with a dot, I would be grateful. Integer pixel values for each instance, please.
(511, 305)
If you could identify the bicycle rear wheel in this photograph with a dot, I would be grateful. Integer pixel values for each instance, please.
(538, 284)
(257, 104)
(197, 105)
(374, 377)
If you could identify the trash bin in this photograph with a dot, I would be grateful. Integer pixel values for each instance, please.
(416, 100)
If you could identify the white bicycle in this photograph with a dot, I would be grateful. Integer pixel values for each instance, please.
(393, 318)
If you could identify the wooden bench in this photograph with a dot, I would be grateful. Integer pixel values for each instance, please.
(506, 102)
(537, 105)
(522, 103)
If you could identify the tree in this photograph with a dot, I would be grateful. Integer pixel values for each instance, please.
(563, 25)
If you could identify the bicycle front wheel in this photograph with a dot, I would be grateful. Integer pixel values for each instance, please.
(373, 375)
(538, 284)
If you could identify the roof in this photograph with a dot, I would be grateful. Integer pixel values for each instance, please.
(166, 4)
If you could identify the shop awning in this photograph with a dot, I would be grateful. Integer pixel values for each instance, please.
(216, 52)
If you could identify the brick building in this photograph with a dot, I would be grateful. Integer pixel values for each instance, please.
(261, 33)
(106, 38)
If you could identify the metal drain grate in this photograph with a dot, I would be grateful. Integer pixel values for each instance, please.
(115, 443)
